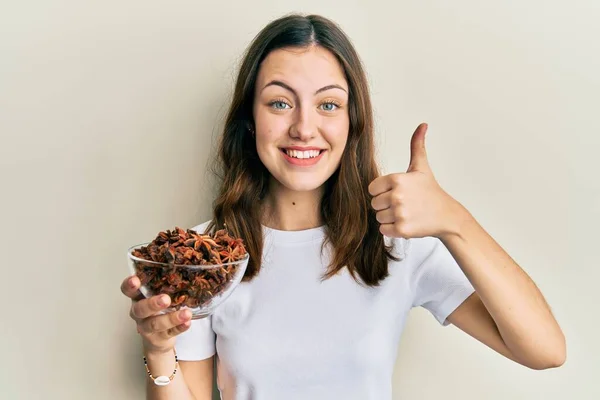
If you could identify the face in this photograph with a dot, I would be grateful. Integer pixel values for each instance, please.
(301, 116)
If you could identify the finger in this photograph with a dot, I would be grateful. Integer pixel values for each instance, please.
(382, 201)
(386, 216)
(178, 329)
(389, 230)
(380, 185)
(164, 322)
(130, 286)
(399, 229)
(418, 153)
(148, 307)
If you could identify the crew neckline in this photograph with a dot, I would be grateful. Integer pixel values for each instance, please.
(303, 235)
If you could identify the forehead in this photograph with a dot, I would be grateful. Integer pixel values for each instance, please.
(312, 68)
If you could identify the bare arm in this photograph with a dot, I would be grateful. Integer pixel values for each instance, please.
(193, 380)
(199, 377)
(508, 312)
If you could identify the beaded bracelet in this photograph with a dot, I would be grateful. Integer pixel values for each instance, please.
(162, 380)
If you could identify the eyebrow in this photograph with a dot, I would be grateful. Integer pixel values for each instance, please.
(287, 87)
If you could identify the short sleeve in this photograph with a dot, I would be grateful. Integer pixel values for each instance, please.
(198, 342)
(439, 284)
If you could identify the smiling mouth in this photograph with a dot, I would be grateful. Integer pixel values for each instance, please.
(301, 155)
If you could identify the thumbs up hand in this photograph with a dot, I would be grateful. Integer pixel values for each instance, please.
(412, 204)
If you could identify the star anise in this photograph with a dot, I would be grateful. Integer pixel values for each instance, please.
(179, 248)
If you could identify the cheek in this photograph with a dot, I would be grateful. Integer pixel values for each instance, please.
(270, 128)
(336, 133)
(267, 136)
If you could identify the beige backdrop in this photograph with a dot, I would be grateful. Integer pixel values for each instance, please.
(108, 112)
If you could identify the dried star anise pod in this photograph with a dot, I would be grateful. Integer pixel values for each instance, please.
(179, 248)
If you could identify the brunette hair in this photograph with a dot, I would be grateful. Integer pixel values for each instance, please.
(350, 224)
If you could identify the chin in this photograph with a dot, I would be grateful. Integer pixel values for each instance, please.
(301, 185)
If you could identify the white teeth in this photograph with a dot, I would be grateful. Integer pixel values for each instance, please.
(303, 154)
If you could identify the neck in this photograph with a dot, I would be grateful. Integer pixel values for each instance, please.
(289, 210)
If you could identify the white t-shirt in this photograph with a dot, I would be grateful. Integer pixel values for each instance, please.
(288, 335)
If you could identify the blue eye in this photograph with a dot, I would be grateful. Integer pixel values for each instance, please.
(279, 105)
(329, 106)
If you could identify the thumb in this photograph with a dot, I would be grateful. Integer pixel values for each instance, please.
(418, 154)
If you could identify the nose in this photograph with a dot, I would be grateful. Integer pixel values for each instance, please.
(304, 126)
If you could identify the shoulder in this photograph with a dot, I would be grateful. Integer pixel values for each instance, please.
(421, 248)
(398, 246)
(414, 251)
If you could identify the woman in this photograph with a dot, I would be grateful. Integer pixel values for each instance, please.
(344, 253)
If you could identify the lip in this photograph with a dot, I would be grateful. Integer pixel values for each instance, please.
(301, 148)
(302, 162)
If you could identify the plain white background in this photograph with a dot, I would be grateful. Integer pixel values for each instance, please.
(108, 113)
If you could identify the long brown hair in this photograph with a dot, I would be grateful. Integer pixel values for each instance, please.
(350, 223)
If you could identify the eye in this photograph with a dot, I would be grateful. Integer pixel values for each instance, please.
(329, 106)
(279, 105)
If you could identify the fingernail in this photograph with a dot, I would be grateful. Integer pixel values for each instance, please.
(132, 282)
(184, 315)
(163, 301)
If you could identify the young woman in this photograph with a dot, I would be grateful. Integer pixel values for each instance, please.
(339, 254)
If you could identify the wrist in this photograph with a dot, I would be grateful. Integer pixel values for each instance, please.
(158, 354)
(161, 367)
(458, 218)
